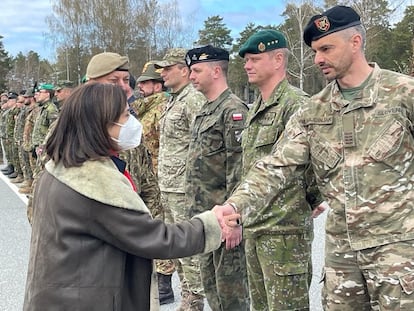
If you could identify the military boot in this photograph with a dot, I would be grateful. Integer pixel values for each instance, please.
(19, 179)
(165, 291)
(191, 302)
(12, 175)
(8, 169)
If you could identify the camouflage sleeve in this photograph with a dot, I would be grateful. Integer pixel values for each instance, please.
(233, 126)
(313, 196)
(140, 168)
(269, 175)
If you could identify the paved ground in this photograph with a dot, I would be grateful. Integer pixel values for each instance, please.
(14, 250)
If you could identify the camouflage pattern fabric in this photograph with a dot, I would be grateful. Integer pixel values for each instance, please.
(28, 128)
(13, 154)
(18, 138)
(175, 125)
(139, 166)
(48, 113)
(362, 156)
(188, 268)
(149, 110)
(287, 217)
(213, 170)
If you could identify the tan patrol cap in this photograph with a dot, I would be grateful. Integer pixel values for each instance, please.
(149, 72)
(105, 63)
(172, 57)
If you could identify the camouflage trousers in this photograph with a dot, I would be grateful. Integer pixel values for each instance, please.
(224, 277)
(378, 278)
(24, 159)
(279, 271)
(188, 268)
(15, 158)
(8, 150)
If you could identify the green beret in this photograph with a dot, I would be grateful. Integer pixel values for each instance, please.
(335, 19)
(149, 72)
(64, 84)
(46, 86)
(105, 63)
(172, 57)
(263, 41)
(206, 53)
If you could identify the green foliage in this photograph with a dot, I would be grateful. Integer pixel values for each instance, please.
(215, 33)
(5, 65)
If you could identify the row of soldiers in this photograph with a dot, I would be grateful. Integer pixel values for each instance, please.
(24, 122)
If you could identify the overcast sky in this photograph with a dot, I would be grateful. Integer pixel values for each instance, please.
(22, 22)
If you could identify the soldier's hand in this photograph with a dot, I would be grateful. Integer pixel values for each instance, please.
(233, 236)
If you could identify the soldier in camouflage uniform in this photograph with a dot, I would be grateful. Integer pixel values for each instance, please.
(17, 138)
(25, 155)
(149, 108)
(62, 91)
(277, 236)
(113, 68)
(12, 155)
(48, 113)
(3, 132)
(213, 170)
(175, 124)
(3, 101)
(45, 113)
(358, 135)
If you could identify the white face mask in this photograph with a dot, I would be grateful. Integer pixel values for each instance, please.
(130, 134)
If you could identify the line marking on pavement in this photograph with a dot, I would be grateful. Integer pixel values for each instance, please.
(13, 187)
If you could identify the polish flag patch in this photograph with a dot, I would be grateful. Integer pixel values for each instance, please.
(237, 117)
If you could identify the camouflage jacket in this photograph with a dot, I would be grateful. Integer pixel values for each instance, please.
(149, 110)
(362, 153)
(290, 211)
(214, 154)
(140, 168)
(3, 124)
(19, 124)
(28, 128)
(10, 122)
(48, 113)
(175, 124)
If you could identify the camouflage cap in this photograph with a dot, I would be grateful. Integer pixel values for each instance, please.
(105, 63)
(335, 19)
(3, 94)
(263, 41)
(64, 84)
(172, 57)
(149, 72)
(46, 86)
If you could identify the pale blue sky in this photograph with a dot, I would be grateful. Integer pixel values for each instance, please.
(22, 22)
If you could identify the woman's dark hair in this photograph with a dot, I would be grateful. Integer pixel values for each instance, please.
(81, 132)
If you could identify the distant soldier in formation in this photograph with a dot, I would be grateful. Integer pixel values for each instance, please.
(26, 157)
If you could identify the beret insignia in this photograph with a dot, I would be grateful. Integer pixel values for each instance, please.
(261, 47)
(322, 24)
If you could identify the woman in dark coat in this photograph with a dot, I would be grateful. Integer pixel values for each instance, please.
(93, 238)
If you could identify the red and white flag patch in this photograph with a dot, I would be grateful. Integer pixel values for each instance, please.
(237, 117)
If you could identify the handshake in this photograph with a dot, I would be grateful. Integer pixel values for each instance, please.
(229, 220)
